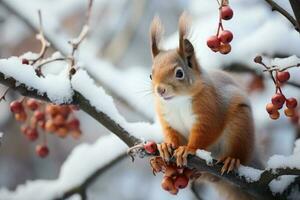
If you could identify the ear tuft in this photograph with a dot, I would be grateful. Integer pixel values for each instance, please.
(183, 28)
(156, 32)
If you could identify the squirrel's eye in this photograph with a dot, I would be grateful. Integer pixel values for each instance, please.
(150, 76)
(179, 74)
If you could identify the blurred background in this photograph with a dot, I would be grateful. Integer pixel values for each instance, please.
(119, 37)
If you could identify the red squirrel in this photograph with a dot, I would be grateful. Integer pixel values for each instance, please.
(198, 109)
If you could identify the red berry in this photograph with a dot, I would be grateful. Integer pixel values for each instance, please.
(275, 115)
(21, 117)
(16, 107)
(32, 104)
(167, 183)
(42, 150)
(74, 124)
(226, 13)
(278, 100)
(283, 76)
(225, 48)
(271, 108)
(32, 134)
(181, 182)
(291, 102)
(39, 116)
(150, 147)
(226, 37)
(24, 129)
(25, 61)
(59, 120)
(213, 42)
(289, 112)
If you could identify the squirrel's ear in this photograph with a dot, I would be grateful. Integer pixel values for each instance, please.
(183, 28)
(156, 32)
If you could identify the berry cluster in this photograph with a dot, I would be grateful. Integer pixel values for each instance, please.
(221, 41)
(278, 100)
(175, 178)
(40, 117)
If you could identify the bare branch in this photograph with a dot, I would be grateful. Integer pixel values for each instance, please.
(285, 13)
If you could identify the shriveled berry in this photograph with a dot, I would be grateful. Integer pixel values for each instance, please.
(181, 182)
(226, 13)
(289, 112)
(278, 99)
(258, 59)
(271, 108)
(42, 150)
(167, 183)
(226, 37)
(225, 48)
(32, 104)
(283, 76)
(291, 102)
(39, 116)
(275, 115)
(32, 134)
(52, 110)
(213, 42)
(150, 147)
(64, 111)
(16, 107)
(25, 61)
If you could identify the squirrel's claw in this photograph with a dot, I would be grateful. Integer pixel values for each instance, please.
(165, 151)
(181, 154)
(157, 164)
(229, 164)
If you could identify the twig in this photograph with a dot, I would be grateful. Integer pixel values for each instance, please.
(3, 97)
(40, 36)
(57, 46)
(285, 13)
(83, 33)
(295, 4)
(280, 69)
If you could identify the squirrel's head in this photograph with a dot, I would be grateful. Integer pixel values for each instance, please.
(174, 72)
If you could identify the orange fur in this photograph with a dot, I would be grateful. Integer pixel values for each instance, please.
(223, 120)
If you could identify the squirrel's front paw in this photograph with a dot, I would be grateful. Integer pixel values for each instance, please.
(165, 150)
(181, 154)
(229, 164)
(157, 164)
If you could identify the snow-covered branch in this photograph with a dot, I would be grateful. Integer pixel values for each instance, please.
(93, 100)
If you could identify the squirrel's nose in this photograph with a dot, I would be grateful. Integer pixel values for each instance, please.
(160, 90)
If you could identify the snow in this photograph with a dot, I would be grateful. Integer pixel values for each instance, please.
(249, 173)
(104, 103)
(285, 62)
(281, 183)
(266, 32)
(205, 155)
(82, 162)
(280, 161)
(57, 87)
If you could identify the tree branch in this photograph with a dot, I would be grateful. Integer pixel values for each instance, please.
(285, 13)
(56, 45)
(295, 4)
(259, 189)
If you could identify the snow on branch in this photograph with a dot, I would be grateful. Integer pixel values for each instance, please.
(93, 100)
(87, 160)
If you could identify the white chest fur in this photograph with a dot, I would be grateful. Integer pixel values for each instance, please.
(179, 114)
